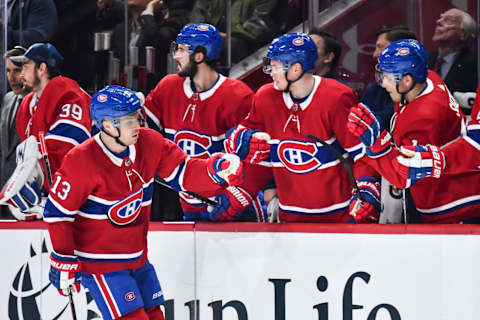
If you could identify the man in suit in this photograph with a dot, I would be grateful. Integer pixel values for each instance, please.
(30, 21)
(8, 130)
(454, 34)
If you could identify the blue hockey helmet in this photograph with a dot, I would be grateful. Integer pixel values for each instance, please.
(290, 48)
(112, 103)
(403, 57)
(201, 35)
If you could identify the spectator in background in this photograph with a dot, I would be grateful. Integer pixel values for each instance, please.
(161, 22)
(109, 14)
(152, 23)
(453, 61)
(329, 51)
(253, 24)
(376, 97)
(9, 138)
(30, 21)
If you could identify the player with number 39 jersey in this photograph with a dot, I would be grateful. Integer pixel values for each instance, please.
(58, 107)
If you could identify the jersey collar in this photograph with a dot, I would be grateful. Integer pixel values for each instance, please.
(114, 158)
(187, 88)
(287, 99)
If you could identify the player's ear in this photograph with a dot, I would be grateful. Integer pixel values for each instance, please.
(107, 125)
(199, 56)
(329, 58)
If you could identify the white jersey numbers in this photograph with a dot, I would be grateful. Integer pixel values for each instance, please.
(73, 110)
(64, 188)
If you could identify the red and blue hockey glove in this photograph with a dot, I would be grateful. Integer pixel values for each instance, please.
(363, 123)
(417, 162)
(367, 211)
(229, 204)
(250, 145)
(225, 167)
(64, 273)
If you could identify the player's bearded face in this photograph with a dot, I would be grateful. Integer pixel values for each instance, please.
(30, 76)
(186, 68)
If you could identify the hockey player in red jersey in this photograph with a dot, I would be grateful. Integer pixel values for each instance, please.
(195, 108)
(462, 157)
(98, 208)
(311, 183)
(59, 109)
(425, 114)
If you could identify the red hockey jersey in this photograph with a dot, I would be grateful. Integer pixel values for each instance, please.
(99, 204)
(311, 183)
(434, 117)
(463, 156)
(62, 112)
(197, 122)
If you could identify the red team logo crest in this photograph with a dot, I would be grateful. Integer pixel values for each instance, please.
(403, 51)
(102, 98)
(202, 27)
(193, 144)
(298, 157)
(298, 41)
(130, 296)
(127, 210)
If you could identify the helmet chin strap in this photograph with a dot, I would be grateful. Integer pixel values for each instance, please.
(289, 82)
(117, 138)
(403, 95)
(194, 66)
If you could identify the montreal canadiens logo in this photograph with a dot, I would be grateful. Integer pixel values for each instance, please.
(298, 157)
(403, 51)
(126, 210)
(102, 98)
(298, 41)
(193, 143)
(203, 27)
(130, 296)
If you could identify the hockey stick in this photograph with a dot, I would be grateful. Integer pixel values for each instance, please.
(203, 199)
(46, 161)
(343, 161)
(48, 169)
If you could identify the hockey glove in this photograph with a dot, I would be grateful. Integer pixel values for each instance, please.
(64, 273)
(250, 145)
(225, 167)
(417, 162)
(28, 204)
(367, 211)
(229, 204)
(363, 123)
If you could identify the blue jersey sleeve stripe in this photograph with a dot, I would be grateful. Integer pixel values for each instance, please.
(356, 152)
(54, 210)
(175, 179)
(69, 132)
